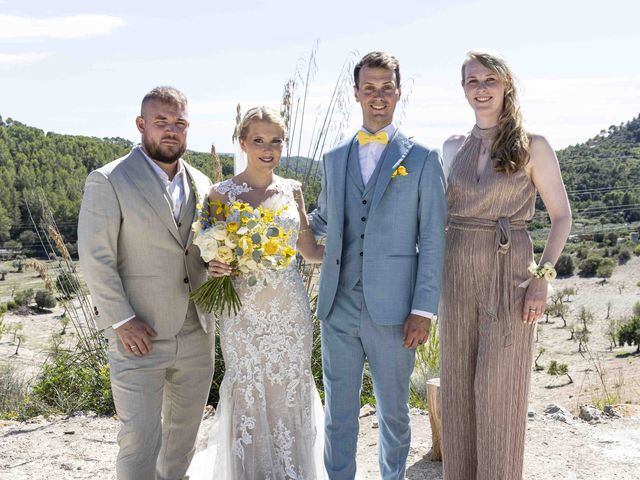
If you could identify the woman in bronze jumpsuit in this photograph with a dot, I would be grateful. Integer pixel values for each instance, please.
(487, 318)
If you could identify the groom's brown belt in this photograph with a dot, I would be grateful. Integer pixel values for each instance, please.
(500, 305)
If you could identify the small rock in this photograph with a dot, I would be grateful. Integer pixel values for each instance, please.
(417, 411)
(623, 410)
(367, 410)
(558, 413)
(589, 413)
(610, 411)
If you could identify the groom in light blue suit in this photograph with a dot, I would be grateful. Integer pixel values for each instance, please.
(382, 209)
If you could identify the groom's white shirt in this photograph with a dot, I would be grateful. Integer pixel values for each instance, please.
(175, 188)
(369, 155)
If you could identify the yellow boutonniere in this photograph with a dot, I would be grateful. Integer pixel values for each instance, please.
(401, 170)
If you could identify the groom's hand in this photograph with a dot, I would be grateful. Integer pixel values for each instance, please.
(416, 330)
(135, 336)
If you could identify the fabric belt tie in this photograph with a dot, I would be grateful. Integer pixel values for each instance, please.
(500, 305)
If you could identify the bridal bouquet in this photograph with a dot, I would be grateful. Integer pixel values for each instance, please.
(247, 238)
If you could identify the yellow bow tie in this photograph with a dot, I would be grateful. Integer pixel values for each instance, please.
(365, 137)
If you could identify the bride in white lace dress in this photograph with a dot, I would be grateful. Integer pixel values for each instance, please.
(269, 422)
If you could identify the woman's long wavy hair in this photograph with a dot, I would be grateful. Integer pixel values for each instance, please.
(510, 149)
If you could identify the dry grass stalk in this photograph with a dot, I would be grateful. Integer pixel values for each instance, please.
(217, 165)
(90, 340)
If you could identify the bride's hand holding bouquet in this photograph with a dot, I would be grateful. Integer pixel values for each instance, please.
(246, 239)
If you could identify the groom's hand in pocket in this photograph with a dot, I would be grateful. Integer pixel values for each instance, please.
(416, 330)
(136, 335)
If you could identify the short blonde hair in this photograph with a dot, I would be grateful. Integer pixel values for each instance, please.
(257, 114)
(168, 95)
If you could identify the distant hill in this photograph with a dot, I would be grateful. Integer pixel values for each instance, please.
(31, 159)
(602, 175)
(58, 164)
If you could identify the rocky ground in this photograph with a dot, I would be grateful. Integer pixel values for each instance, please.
(559, 446)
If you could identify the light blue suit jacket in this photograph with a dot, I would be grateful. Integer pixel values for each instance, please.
(404, 235)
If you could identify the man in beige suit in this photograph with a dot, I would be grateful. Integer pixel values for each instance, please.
(134, 241)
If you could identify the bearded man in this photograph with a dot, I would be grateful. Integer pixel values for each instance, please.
(134, 242)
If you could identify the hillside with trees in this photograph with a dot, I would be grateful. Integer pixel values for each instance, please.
(602, 177)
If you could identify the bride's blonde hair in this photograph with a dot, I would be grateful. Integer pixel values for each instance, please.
(510, 148)
(257, 114)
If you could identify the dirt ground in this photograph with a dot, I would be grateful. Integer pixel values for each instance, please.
(84, 446)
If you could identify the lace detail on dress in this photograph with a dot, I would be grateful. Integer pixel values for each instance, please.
(269, 411)
(231, 190)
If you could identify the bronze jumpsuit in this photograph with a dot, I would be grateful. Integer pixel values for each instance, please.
(486, 347)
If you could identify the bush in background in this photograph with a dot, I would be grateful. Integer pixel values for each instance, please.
(24, 297)
(589, 266)
(605, 269)
(538, 246)
(629, 333)
(67, 284)
(565, 265)
(45, 299)
(624, 256)
(68, 383)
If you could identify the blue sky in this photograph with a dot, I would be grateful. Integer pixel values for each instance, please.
(82, 67)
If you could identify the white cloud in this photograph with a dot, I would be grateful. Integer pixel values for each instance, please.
(74, 26)
(20, 58)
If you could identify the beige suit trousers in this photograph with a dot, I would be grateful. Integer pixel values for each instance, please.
(173, 379)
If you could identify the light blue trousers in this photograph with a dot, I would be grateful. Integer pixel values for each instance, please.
(349, 337)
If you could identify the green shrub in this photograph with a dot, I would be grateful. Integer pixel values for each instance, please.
(582, 252)
(45, 299)
(629, 333)
(565, 265)
(24, 297)
(13, 390)
(72, 382)
(624, 256)
(636, 309)
(67, 284)
(589, 266)
(637, 250)
(427, 366)
(605, 269)
(11, 305)
(612, 238)
(538, 246)
(598, 237)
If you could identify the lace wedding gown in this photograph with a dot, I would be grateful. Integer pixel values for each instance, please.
(269, 421)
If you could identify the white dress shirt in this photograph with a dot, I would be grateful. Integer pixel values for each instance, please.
(369, 156)
(175, 188)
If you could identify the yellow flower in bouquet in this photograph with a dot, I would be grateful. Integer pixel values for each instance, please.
(248, 239)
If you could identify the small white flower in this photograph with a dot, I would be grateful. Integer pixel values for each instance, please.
(219, 231)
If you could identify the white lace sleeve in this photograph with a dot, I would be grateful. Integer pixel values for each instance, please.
(230, 189)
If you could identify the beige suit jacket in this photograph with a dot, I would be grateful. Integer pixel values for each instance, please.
(135, 258)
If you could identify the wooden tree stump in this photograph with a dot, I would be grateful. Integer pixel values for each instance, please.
(433, 401)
